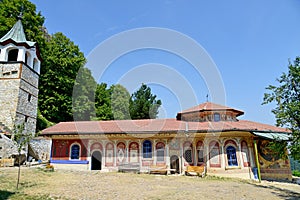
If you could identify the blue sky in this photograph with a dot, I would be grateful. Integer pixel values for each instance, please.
(249, 41)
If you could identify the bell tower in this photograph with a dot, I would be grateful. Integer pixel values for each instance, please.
(19, 75)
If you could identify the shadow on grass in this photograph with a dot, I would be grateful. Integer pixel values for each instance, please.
(282, 193)
(5, 194)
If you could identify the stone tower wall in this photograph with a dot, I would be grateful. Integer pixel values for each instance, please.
(9, 88)
(19, 95)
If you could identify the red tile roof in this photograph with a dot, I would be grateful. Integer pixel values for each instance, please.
(209, 106)
(155, 126)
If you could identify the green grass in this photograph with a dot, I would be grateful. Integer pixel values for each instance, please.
(8, 189)
(4, 194)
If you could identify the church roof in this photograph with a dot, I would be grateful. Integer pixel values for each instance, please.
(17, 35)
(209, 106)
(156, 126)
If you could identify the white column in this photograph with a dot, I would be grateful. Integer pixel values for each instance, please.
(206, 153)
(21, 55)
(240, 153)
(167, 156)
(88, 151)
(140, 153)
(153, 152)
(251, 153)
(127, 151)
(222, 154)
(3, 54)
(182, 158)
(103, 160)
(195, 153)
(115, 153)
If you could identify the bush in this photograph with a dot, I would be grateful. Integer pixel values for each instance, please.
(296, 173)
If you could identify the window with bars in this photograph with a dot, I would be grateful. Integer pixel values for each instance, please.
(200, 153)
(188, 155)
(75, 149)
(147, 149)
(231, 156)
(160, 152)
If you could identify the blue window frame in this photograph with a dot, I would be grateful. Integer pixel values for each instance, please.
(147, 149)
(75, 149)
(231, 156)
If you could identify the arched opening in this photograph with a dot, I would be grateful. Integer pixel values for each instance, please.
(13, 55)
(109, 154)
(134, 152)
(188, 153)
(214, 154)
(96, 160)
(75, 151)
(35, 64)
(28, 59)
(200, 153)
(121, 152)
(160, 152)
(231, 156)
(174, 163)
(147, 149)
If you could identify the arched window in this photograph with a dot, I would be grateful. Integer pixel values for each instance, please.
(28, 59)
(13, 55)
(147, 149)
(121, 152)
(214, 154)
(217, 117)
(188, 153)
(109, 154)
(231, 156)
(160, 152)
(75, 151)
(35, 64)
(200, 152)
(133, 152)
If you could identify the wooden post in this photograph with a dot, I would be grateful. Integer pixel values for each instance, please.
(257, 161)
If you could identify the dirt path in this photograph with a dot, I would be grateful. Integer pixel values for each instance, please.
(95, 185)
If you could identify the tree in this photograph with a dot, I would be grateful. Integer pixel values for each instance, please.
(21, 139)
(143, 104)
(62, 60)
(112, 103)
(32, 20)
(287, 98)
(84, 96)
(103, 102)
(119, 102)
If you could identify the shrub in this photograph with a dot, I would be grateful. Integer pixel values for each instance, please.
(296, 173)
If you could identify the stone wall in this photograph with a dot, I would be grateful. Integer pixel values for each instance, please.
(9, 88)
(40, 148)
(7, 147)
(19, 95)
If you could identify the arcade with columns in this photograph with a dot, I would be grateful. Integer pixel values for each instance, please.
(207, 135)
